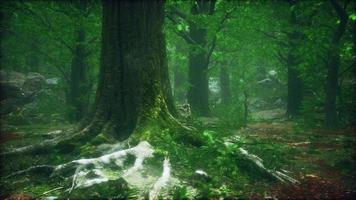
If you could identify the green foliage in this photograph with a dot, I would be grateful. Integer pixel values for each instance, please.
(231, 116)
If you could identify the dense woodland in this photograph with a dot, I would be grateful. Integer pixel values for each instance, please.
(175, 99)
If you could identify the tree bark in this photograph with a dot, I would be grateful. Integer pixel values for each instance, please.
(133, 83)
(179, 79)
(225, 85)
(354, 68)
(333, 66)
(198, 91)
(78, 93)
(295, 83)
(245, 120)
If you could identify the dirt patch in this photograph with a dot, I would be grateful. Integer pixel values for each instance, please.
(20, 197)
(310, 187)
(4, 137)
(272, 127)
(350, 131)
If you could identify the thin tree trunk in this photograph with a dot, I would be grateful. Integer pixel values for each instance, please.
(295, 83)
(78, 94)
(225, 85)
(333, 66)
(245, 109)
(354, 67)
(198, 91)
(178, 76)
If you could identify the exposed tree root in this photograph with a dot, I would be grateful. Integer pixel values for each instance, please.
(275, 174)
(89, 171)
(79, 135)
(162, 181)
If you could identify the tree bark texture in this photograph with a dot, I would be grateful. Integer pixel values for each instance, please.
(295, 83)
(79, 87)
(198, 90)
(333, 65)
(133, 82)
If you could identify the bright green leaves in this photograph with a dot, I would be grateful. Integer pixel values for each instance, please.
(208, 136)
(179, 27)
(353, 16)
(182, 27)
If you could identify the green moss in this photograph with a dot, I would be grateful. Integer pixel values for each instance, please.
(101, 139)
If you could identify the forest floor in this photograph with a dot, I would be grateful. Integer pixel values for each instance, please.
(324, 162)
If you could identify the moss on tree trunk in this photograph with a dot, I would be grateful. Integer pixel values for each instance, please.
(133, 86)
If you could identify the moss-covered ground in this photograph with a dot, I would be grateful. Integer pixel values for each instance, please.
(323, 161)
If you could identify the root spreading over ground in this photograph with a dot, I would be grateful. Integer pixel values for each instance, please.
(91, 171)
(142, 170)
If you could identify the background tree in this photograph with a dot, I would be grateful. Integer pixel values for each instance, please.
(333, 65)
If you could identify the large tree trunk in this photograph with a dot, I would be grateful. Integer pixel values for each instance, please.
(225, 85)
(333, 66)
(78, 94)
(133, 84)
(133, 88)
(198, 91)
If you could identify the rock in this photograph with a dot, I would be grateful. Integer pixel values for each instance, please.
(18, 85)
(34, 82)
(15, 78)
(11, 84)
(18, 89)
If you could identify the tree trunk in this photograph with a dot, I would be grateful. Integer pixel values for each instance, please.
(333, 66)
(78, 94)
(354, 68)
(179, 93)
(225, 85)
(245, 109)
(133, 83)
(198, 91)
(295, 83)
